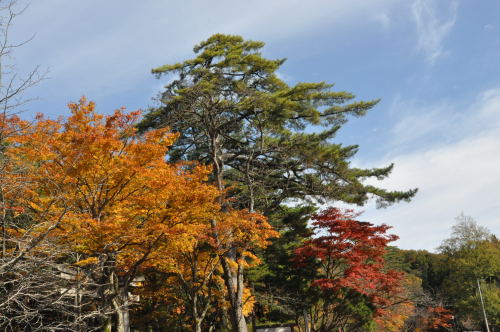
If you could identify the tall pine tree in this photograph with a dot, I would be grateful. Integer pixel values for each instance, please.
(233, 112)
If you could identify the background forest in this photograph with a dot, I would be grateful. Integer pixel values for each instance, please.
(221, 208)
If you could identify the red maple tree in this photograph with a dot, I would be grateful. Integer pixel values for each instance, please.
(350, 254)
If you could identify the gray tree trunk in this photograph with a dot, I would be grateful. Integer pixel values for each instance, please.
(121, 305)
(123, 321)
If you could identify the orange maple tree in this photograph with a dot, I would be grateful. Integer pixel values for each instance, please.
(196, 282)
(19, 234)
(119, 203)
(11, 181)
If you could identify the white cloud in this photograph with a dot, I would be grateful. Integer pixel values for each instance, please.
(431, 28)
(103, 48)
(489, 106)
(452, 177)
(417, 121)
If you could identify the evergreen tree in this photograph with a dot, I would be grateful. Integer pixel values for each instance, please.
(282, 288)
(234, 113)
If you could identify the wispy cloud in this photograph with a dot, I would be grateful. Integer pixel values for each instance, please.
(106, 48)
(454, 176)
(418, 121)
(433, 26)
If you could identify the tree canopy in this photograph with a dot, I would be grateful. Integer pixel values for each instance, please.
(232, 111)
(219, 206)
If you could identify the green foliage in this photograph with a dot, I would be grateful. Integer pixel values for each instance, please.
(429, 267)
(283, 290)
(450, 276)
(478, 260)
(233, 112)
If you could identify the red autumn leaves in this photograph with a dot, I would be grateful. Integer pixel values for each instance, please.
(350, 254)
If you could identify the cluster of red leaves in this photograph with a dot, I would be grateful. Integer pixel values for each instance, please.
(438, 317)
(350, 253)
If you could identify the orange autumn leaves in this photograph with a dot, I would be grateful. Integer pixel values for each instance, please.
(113, 191)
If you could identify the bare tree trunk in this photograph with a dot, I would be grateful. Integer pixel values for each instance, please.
(197, 326)
(121, 305)
(234, 284)
(238, 305)
(194, 312)
(232, 279)
(123, 321)
(120, 301)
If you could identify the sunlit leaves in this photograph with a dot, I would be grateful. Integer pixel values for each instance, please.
(349, 255)
(118, 192)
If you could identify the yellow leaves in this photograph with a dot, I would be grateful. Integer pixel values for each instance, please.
(245, 230)
(248, 302)
(114, 189)
(393, 317)
(116, 198)
(232, 264)
(87, 261)
(34, 205)
(250, 259)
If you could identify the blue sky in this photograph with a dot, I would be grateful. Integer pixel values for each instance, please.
(434, 63)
